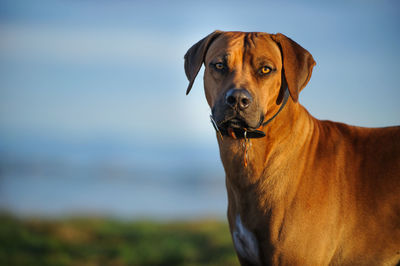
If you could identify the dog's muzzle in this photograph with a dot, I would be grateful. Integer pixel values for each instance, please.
(236, 127)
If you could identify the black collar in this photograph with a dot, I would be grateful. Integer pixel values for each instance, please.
(243, 133)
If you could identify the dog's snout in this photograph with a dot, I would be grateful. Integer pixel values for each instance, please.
(238, 98)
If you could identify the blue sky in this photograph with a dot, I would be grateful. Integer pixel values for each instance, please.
(110, 73)
(79, 68)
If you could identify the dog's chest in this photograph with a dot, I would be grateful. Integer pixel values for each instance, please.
(245, 242)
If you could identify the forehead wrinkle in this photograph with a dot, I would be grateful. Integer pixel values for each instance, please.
(252, 54)
(248, 45)
(249, 40)
(271, 52)
(253, 44)
(235, 52)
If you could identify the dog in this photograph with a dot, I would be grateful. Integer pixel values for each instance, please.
(301, 191)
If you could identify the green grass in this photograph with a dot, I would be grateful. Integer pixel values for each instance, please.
(94, 241)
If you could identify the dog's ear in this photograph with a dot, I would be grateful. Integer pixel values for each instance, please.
(194, 57)
(297, 63)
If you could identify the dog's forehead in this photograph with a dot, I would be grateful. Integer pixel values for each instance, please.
(234, 44)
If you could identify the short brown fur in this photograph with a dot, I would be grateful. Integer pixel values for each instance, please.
(314, 192)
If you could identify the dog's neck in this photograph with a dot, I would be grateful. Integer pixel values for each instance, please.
(265, 159)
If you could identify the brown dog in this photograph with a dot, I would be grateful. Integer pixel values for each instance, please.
(301, 191)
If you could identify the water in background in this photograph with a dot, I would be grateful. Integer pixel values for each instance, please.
(51, 177)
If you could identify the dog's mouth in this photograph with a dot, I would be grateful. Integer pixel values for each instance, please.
(234, 123)
(238, 128)
(238, 122)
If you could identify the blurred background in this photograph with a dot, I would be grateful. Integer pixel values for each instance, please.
(94, 120)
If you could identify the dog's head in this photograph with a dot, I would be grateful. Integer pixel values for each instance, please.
(246, 74)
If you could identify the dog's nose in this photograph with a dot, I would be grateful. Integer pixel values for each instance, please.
(240, 98)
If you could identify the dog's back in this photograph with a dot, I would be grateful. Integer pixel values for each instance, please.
(368, 195)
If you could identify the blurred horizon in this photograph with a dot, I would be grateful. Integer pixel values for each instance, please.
(93, 113)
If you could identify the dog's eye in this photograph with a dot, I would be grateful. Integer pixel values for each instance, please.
(265, 70)
(219, 66)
